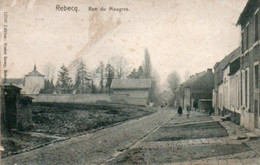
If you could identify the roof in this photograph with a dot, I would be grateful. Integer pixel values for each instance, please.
(203, 79)
(12, 87)
(230, 57)
(131, 84)
(34, 72)
(248, 11)
(14, 81)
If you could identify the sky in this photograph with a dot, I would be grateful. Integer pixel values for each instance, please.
(187, 36)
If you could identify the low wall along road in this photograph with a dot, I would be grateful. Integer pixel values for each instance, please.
(71, 98)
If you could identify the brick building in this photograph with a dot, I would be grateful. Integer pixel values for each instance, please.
(249, 65)
(236, 90)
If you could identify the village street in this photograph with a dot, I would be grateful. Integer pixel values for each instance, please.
(161, 138)
(94, 148)
(200, 139)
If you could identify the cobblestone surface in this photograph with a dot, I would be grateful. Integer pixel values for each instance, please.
(191, 142)
(93, 148)
(127, 144)
(181, 150)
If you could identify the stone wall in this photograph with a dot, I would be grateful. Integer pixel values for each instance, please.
(131, 97)
(71, 98)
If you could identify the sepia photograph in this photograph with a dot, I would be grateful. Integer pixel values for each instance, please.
(111, 82)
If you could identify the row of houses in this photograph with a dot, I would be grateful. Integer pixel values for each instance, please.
(236, 90)
(233, 88)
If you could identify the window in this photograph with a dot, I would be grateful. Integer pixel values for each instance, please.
(256, 75)
(241, 89)
(247, 37)
(246, 73)
(256, 107)
(243, 41)
(256, 26)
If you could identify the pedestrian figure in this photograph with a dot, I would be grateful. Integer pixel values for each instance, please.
(180, 110)
(211, 111)
(188, 111)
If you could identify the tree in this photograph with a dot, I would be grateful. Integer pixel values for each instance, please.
(110, 76)
(64, 82)
(120, 65)
(101, 70)
(187, 75)
(140, 73)
(133, 74)
(82, 83)
(149, 73)
(147, 66)
(48, 87)
(173, 81)
(49, 71)
(155, 89)
(137, 74)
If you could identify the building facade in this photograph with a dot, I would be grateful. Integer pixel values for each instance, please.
(226, 100)
(32, 83)
(249, 66)
(131, 91)
(236, 90)
(199, 86)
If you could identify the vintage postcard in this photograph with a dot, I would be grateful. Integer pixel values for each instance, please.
(99, 82)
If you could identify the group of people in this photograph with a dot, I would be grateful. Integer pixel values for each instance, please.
(187, 108)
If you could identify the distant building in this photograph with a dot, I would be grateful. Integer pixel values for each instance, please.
(32, 83)
(166, 98)
(131, 91)
(199, 86)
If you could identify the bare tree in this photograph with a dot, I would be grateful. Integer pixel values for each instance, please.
(173, 81)
(32, 87)
(101, 71)
(187, 75)
(49, 71)
(120, 65)
(155, 88)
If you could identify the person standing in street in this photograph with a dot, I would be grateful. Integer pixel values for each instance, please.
(180, 110)
(188, 111)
